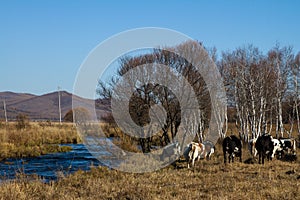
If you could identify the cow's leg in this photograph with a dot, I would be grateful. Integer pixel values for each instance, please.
(208, 156)
(195, 156)
(193, 162)
(210, 153)
(188, 161)
(224, 157)
(190, 157)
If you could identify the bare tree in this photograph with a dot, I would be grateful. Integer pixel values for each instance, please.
(257, 85)
(151, 86)
(292, 107)
(281, 60)
(248, 79)
(296, 75)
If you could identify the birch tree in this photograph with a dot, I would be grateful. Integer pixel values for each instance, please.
(280, 59)
(249, 79)
(294, 88)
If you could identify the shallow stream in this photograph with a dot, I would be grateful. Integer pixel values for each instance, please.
(50, 166)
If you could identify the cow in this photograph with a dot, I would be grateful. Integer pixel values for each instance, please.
(278, 148)
(170, 150)
(264, 146)
(233, 146)
(289, 145)
(209, 149)
(194, 151)
(251, 147)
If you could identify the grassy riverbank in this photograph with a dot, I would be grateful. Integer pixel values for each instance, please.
(36, 139)
(208, 180)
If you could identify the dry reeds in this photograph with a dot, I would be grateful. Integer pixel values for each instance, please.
(36, 139)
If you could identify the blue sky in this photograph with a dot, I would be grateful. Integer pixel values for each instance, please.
(43, 43)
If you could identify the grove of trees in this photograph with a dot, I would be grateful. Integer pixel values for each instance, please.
(262, 91)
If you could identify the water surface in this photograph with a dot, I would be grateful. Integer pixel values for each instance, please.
(50, 166)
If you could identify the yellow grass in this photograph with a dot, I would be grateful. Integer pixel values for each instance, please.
(208, 180)
(36, 139)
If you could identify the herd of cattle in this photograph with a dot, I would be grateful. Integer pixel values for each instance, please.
(265, 146)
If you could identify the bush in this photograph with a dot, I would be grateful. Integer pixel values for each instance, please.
(22, 121)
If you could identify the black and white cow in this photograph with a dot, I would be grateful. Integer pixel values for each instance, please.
(278, 149)
(233, 147)
(264, 146)
(288, 145)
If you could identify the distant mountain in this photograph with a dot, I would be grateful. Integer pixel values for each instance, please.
(11, 97)
(44, 107)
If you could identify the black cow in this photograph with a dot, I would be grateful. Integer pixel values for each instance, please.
(264, 146)
(233, 146)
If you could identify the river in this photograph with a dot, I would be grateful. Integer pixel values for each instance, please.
(51, 166)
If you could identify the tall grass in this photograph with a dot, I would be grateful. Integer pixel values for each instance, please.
(36, 139)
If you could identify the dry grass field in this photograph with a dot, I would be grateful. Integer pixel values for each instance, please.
(36, 139)
(207, 180)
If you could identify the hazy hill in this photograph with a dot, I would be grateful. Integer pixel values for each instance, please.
(11, 97)
(44, 107)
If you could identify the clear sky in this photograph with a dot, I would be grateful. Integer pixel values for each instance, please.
(43, 43)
